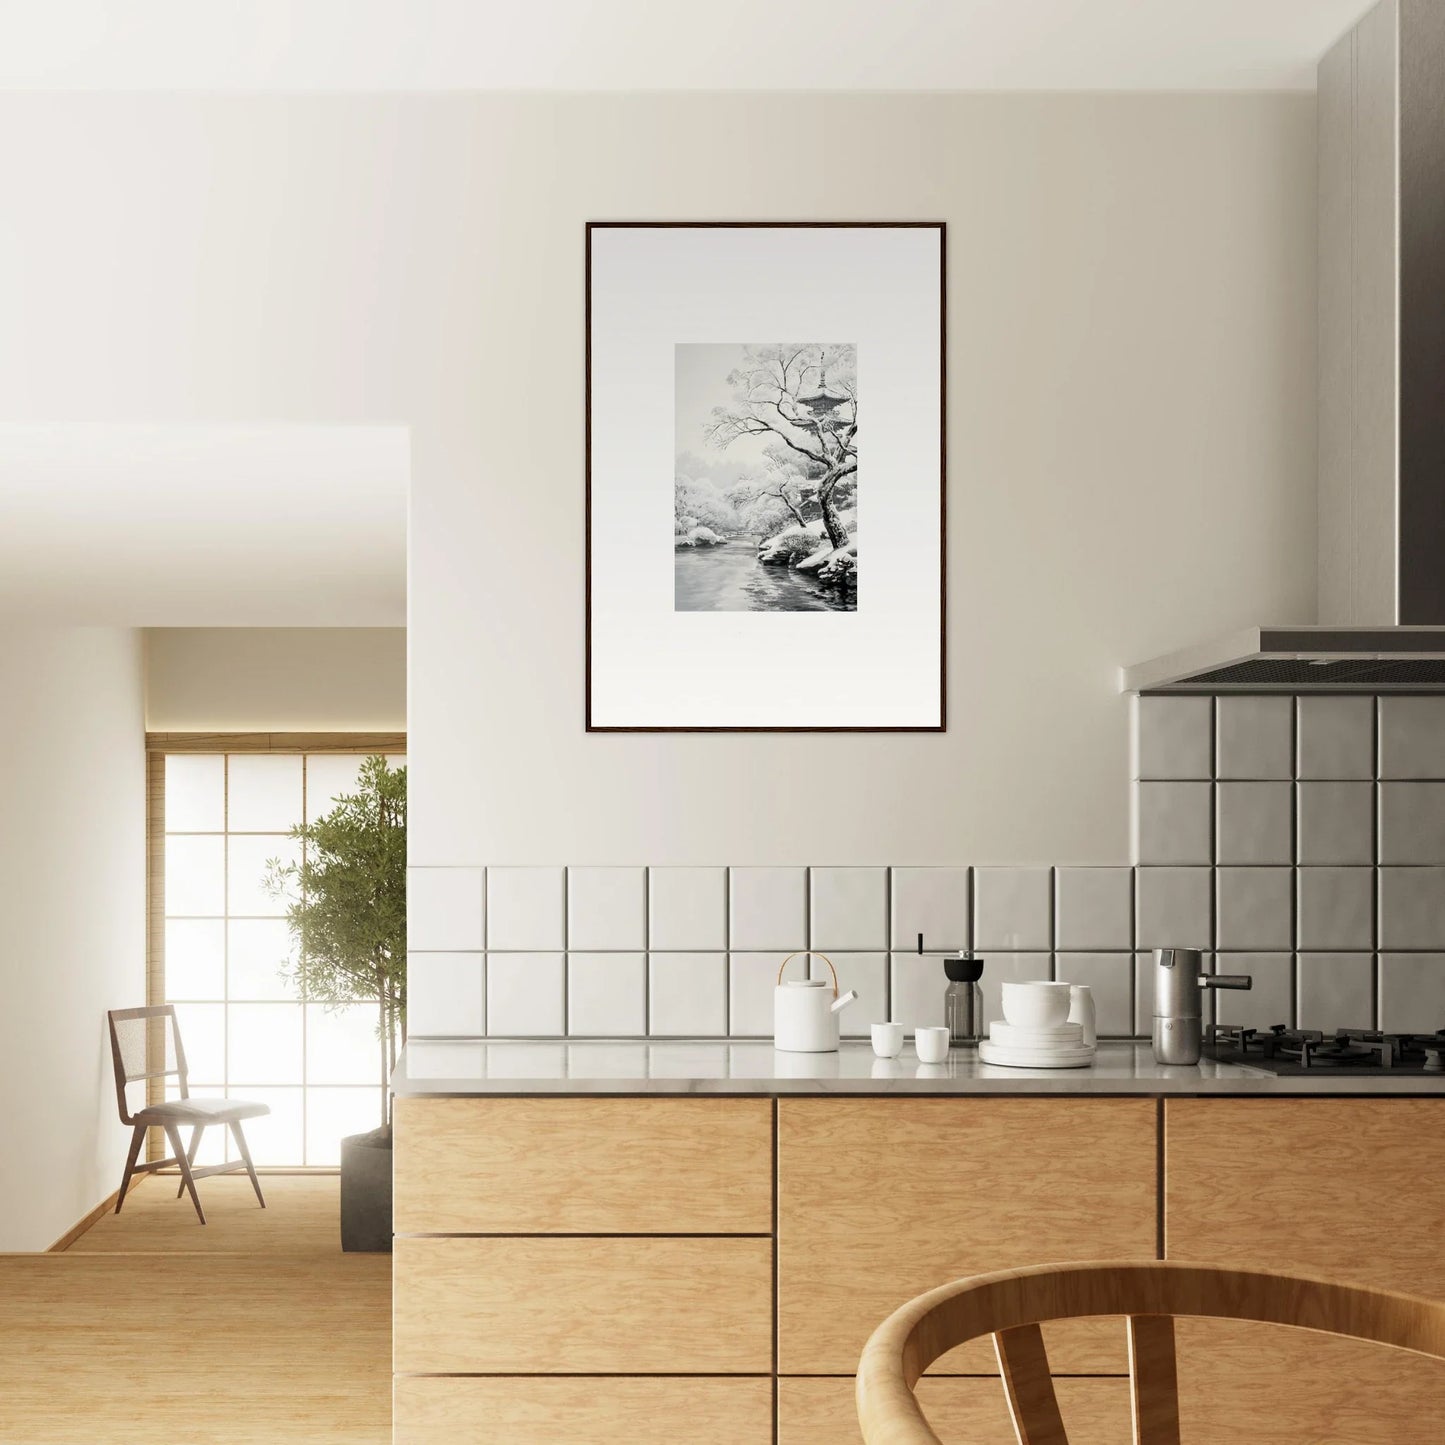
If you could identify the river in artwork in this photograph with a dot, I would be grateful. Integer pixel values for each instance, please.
(729, 578)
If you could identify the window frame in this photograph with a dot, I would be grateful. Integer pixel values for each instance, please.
(160, 745)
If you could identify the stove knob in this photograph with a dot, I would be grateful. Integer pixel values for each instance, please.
(1435, 1061)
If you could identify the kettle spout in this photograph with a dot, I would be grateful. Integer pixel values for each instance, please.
(844, 1000)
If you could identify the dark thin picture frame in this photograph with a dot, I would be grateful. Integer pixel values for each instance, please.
(942, 228)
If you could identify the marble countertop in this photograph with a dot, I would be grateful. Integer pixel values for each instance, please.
(751, 1066)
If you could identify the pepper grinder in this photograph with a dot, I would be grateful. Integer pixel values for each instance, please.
(963, 999)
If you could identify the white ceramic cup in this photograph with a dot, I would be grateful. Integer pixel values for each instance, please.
(1082, 1011)
(1036, 1004)
(887, 1040)
(931, 1043)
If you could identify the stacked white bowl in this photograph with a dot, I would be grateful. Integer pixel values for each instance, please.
(1035, 1032)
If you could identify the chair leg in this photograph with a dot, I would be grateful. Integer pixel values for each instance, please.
(137, 1138)
(173, 1133)
(246, 1155)
(191, 1154)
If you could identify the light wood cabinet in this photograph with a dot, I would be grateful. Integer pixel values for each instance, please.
(881, 1199)
(584, 1166)
(608, 1270)
(701, 1411)
(582, 1306)
(820, 1411)
(1343, 1188)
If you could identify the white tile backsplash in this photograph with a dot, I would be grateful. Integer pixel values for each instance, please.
(687, 908)
(526, 994)
(1335, 990)
(606, 908)
(445, 994)
(752, 977)
(1412, 737)
(1412, 908)
(1173, 737)
(526, 909)
(1254, 737)
(933, 902)
(1094, 908)
(1012, 908)
(848, 908)
(917, 986)
(768, 908)
(1412, 992)
(689, 994)
(444, 909)
(606, 995)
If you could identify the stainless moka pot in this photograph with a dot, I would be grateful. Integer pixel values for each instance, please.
(1179, 984)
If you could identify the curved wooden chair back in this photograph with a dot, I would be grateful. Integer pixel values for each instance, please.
(1011, 1305)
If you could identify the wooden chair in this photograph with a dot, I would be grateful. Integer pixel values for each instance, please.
(1011, 1305)
(145, 1043)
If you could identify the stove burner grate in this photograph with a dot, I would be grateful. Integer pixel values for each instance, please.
(1341, 1049)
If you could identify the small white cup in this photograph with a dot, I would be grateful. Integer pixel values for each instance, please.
(887, 1040)
(931, 1043)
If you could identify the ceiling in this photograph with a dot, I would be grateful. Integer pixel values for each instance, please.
(157, 526)
(364, 45)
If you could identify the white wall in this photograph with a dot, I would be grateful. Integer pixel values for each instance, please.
(72, 896)
(1131, 426)
(287, 679)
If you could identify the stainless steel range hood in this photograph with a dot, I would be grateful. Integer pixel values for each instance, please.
(1302, 659)
(1381, 421)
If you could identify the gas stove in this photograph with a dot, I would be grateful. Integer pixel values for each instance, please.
(1285, 1051)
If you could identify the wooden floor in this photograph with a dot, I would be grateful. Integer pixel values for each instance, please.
(254, 1328)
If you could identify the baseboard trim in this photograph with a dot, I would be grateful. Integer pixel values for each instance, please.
(75, 1231)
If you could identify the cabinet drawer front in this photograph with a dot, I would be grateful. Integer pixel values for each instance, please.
(1376, 1218)
(583, 1166)
(822, 1412)
(701, 1411)
(880, 1200)
(1276, 1386)
(574, 1306)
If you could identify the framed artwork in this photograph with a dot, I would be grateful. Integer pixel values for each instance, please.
(765, 477)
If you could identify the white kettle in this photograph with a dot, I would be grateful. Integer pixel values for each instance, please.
(805, 1011)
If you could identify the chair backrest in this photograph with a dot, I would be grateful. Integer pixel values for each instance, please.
(145, 1043)
(1011, 1305)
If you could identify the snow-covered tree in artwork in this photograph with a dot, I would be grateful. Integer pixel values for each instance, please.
(806, 399)
(702, 515)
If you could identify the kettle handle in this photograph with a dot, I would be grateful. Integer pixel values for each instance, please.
(810, 953)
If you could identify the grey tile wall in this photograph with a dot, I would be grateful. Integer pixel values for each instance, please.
(1301, 840)
(1327, 864)
(695, 952)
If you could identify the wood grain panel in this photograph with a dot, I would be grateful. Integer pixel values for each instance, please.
(882, 1199)
(820, 1411)
(1343, 1188)
(229, 1349)
(576, 1306)
(1273, 1386)
(597, 1411)
(584, 1166)
(276, 742)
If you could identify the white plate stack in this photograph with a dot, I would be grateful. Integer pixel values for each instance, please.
(1034, 1032)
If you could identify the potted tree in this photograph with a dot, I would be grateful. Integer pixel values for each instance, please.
(346, 909)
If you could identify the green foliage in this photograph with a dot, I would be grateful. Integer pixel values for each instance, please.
(346, 900)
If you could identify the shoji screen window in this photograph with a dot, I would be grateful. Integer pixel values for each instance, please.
(229, 960)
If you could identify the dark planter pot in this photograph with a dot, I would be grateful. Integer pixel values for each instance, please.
(366, 1192)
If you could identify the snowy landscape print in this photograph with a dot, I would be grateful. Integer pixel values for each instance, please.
(765, 485)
